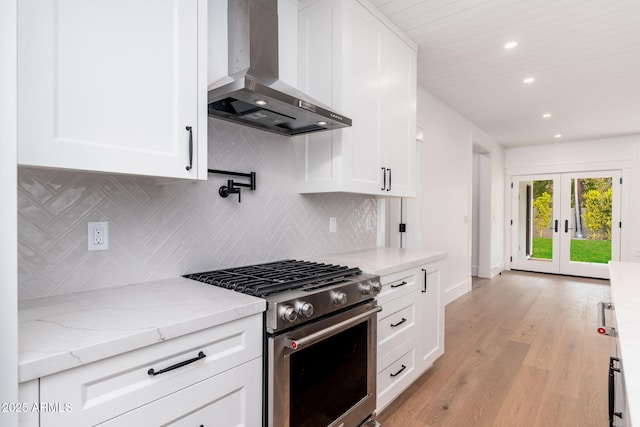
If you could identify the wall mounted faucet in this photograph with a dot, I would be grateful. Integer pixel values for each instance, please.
(233, 187)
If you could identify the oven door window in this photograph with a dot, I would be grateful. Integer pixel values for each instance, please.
(328, 378)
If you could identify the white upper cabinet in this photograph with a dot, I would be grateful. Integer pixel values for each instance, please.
(112, 86)
(351, 60)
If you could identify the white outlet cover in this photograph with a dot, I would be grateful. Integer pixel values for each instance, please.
(332, 224)
(94, 227)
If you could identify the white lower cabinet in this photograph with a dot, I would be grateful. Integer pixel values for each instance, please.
(210, 377)
(410, 329)
(232, 398)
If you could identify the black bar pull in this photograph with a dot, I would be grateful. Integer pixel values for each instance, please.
(389, 187)
(384, 178)
(398, 373)
(612, 392)
(153, 373)
(399, 284)
(190, 130)
(424, 285)
(555, 227)
(395, 325)
(566, 225)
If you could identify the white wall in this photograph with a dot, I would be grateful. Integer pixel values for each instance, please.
(606, 154)
(445, 190)
(8, 254)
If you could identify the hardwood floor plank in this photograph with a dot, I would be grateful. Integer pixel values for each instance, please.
(520, 350)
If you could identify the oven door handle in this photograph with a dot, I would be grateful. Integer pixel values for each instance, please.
(297, 344)
(603, 329)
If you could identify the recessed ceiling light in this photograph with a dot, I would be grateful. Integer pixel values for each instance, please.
(557, 135)
(261, 102)
(546, 115)
(529, 80)
(510, 45)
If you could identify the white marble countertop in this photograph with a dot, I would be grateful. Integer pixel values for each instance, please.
(625, 294)
(64, 331)
(382, 261)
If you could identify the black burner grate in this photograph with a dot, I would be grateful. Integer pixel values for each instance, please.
(266, 279)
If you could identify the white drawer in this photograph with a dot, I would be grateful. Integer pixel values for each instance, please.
(396, 323)
(233, 398)
(102, 390)
(396, 285)
(397, 372)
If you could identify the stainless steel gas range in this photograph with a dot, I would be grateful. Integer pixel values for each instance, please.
(320, 340)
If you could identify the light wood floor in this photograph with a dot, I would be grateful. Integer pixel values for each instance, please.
(520, 350)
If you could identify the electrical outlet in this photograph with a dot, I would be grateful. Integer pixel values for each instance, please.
(97, 236)
(332, 224)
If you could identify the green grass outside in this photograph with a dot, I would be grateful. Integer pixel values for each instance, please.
(598, 251)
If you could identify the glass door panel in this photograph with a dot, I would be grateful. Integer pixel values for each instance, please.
(591, 233)
(535, 228)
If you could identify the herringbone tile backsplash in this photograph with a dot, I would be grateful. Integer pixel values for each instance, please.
(158, 231)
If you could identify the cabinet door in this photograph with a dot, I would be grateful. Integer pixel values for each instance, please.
(112, 86)
(431, 316)
(397, 116)
(361, 52)
(233, 398)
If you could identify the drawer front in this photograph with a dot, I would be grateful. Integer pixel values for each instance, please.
(105, 389)
(396, 285)
(396, 323)
(396, 375)
(233, 398)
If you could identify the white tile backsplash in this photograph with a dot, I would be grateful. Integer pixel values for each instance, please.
(160, 231)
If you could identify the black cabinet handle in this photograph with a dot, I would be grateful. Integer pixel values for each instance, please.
(399, 284)
(389, 187)
(153, 373)
(384, 178)
(424, 285)
(555, 227)
(398, 373)
(612, 391)
(566, 225)
(394, 325)
(190, 130)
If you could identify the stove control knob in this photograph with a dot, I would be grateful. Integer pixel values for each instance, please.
(305, 309)
(340, 298)
(288, 313)
(365, 288)
(376, 287)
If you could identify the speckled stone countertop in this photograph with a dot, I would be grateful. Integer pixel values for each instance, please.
(382, 261)
(64, 331)
(625, 293)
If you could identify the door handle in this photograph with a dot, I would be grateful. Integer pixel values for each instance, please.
(424, 285)
(612, 391)
(555, 227)
(384, 179)
(566, 225)
(152, 372)
(399, 371)
(395, 325)
(389, 187)
(190, 130)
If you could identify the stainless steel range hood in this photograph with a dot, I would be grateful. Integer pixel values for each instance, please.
(256, 97)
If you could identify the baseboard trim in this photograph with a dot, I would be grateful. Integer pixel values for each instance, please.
(456, 291)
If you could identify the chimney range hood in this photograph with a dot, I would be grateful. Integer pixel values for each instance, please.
(256, 97)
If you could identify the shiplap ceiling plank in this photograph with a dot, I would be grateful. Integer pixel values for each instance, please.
(584, 55)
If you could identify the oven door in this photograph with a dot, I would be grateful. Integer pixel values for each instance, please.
(324, 373)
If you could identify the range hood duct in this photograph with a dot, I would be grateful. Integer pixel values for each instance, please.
(256, 97)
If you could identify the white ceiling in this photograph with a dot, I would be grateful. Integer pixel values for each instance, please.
(583, 54)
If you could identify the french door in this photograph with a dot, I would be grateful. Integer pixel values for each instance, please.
(566, 223)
